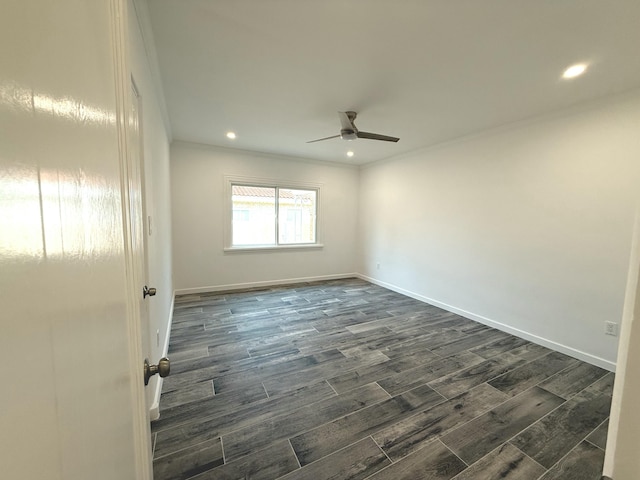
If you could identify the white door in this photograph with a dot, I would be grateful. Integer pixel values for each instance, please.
(135, 166)
(71, 402)
(621, 457)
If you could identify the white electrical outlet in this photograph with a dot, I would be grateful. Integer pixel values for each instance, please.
(377, 266)
(611, 328)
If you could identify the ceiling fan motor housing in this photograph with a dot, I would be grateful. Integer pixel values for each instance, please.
(346, 134)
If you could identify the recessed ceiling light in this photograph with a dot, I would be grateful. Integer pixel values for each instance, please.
(231, 135)
(575, 70)
(350, 153)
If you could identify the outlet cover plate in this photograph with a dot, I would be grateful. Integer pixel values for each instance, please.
(611, 328)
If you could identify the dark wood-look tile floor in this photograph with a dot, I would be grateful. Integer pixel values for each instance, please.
(347, 380)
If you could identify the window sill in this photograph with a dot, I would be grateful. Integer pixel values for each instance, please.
(272, 248)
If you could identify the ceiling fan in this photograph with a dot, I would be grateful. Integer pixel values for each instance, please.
(350, 132)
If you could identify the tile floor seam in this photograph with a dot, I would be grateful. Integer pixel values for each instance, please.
(303, 432)
(539, 384)
(458, 371)
(185, 448)
(481, 413)
(591, 443)
(591, 432)
(463, 350)
(452, 452)
(283, 415)
(592, 383)
(566, 455)
(334, 451)
(438, 356)
(509, 397)
(386, 467)
(381, 449)
(295, 455)
(329, 383)
(186, 422)
(510, 440)
(352, 413)
(564, 401)
(501, 446)
(602, 423)
(391, 396)
(180, 318)
(435, 389)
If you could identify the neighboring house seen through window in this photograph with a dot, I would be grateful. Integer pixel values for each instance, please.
(273, 216)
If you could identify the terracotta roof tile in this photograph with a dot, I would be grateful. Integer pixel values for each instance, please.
(265, 192)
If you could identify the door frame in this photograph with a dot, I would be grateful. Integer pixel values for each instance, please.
(139, 412)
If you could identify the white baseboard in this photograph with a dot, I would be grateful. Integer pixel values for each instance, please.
(154, 410)
(572, 352)
(267, 283)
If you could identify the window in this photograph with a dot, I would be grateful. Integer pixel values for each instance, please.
(240, 215)
(272, 216)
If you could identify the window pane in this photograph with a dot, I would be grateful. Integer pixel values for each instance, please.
(296, 216)
(254, 212)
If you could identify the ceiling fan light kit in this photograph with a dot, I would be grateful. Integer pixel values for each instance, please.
(349, 131)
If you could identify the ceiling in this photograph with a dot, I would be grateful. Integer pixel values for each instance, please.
(276, 72)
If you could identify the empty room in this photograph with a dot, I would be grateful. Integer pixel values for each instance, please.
(347, 239)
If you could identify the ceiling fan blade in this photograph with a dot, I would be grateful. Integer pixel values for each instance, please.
(376, 136)
(325, 138)
(346, 122)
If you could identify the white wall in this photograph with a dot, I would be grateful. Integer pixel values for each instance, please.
(198, 185)
(527, 228)
(156, 138)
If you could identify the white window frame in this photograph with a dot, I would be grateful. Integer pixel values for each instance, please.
(230, 180)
